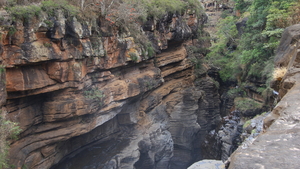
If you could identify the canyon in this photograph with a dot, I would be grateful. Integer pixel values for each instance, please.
(88, 94)
(70, 85)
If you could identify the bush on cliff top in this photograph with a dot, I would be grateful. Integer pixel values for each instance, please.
(49, 6)
(153, 8)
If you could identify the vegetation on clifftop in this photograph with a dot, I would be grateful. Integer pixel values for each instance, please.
(126, 15)
(113, 9)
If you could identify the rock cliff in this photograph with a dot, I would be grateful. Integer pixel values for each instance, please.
(278, 146)
(75, 86)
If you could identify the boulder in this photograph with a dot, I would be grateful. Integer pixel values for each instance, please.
(208, 164)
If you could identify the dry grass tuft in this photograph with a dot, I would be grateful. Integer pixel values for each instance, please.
(279, 73)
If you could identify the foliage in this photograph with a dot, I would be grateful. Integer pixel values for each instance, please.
(133, 56)
(24, 12)
(260, 89)
(216, 83)
(280, 14)
(194, 6)
(234, 92)
(243, 104)
(144, 8)
(195, 56)
(247, 123)
(242, 5)
(2, 69)
(51, 6)
(11, 30)
(126, 14)
(249, 55)
(150, 84)
(48, 45)
(222, 51)
(158, 8)
(150, 50)
(8, 130)
(95, 94)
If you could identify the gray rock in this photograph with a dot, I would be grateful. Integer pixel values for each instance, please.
(208, 164)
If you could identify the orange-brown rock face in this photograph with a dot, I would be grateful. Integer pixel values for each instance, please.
(68, 88)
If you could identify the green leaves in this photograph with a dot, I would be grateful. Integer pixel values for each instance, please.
(242, 5)
(50, 7)
(260, 38)
(95, 94)
(8, 131)
(158, 8)
(24, 12)
(222, 52)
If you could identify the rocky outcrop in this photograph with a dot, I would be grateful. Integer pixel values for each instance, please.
(72, 90)
(278, 146)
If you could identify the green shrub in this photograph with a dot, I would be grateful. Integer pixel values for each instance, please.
(11, 30)
(48, 45)
(158, 8)
(253, 131)
(150, 50)
(49, 23)
(247, 123)
(150, 84)
(222, 53)
(235, 92)
(242, 57)
(243, 104)
(24, 12)
(8, 131)
(194, 5)
(242, 5)
(216, 83)
(95, 94)
(133, 56)
(51, 7)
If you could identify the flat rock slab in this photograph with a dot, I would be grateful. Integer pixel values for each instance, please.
(208, 164)
(279, 146)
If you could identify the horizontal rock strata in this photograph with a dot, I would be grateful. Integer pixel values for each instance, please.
(70, 89)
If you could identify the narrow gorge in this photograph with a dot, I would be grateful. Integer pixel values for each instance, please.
(71, 85)
(103, 93)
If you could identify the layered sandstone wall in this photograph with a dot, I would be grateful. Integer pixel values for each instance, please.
(73, 84)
